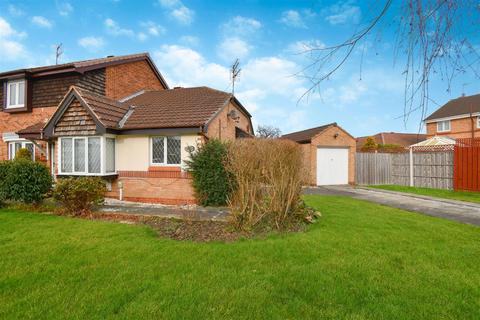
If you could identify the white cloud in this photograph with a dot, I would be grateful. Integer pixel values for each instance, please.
(114, 29)
(304, 45)
(10, 48)
(186, 67)
(292, 18)
(178, 11)
(42, 22)
(15, 11)
(183, 15)
(342, 13)
(241, 26)
(232, 48)
(169, 3)
(64, 8)
(153, 29)
(189, 40)
(91, 43)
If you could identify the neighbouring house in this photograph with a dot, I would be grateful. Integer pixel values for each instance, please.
(128, 127)
(392, 139)
(328, 154)
(458, 118)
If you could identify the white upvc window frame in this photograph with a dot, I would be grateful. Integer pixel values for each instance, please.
(17, 94)
(11, 148)
(478, 122)
(165, 155)
(441, 126)
(103, 156)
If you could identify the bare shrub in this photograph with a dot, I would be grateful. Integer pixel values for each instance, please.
(268, 178)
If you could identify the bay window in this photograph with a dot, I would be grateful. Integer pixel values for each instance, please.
(165, 150)
(87, 156)
(14, 146)
(15, 94)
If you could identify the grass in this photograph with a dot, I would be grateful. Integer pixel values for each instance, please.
(361, 261)
(437, 193)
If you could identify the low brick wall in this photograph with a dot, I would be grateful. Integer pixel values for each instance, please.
(166, 188)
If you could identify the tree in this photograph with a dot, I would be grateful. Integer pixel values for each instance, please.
(370, 145)
(268, 132)
(434, 38)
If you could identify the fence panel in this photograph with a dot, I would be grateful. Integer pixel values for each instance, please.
(430, 169)
(373, 168)
(467, 164)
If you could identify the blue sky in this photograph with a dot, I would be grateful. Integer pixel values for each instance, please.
(194, 42)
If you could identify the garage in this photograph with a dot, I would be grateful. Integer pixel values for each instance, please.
(328, 154)
(332, 166)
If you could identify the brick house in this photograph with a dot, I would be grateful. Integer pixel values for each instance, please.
(458, 118)
(116, 118)
(328, 154)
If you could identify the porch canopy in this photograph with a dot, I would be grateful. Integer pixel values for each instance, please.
(32, 132)
(435, 143)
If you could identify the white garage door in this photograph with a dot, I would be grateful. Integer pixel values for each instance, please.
(332, 166)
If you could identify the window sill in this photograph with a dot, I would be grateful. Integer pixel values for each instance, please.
(169, 168)
(66, 175)
(16, 109)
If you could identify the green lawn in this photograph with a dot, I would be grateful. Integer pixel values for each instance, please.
(361, 261)
(438, 193)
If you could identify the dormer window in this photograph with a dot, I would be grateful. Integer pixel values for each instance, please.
(15, 94)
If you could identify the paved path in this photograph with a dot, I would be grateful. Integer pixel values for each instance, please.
(449, 209)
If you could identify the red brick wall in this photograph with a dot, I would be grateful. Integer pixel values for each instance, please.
(223, 127)
(460, 128)
(125, 79)
(14, 122)
(174, 191)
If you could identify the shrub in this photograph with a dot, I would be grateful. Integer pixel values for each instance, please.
(268, 177)
(23, 153)
(4, 169)
(211, 181)
(370, 145)
(79, 195)
(25, 181)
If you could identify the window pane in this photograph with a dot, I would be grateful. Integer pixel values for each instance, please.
(79, 155)
(12, 93)
(173, 150)
(94, 155)
(11, 152)
(66, 156)
(29, 147)
(110, 153)
(21, 93)
(157, 150)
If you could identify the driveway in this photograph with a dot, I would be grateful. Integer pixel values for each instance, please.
(460, 211)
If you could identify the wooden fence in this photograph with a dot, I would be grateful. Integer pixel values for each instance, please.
(467, 164)
(430, 169)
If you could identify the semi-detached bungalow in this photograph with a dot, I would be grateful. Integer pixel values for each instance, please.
(138, 143)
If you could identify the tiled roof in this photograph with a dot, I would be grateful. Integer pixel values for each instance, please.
(109, 112)
(306, 135)
(86, 65)
(33, 129)
(175, 108)
(456, 107)
(399, 139)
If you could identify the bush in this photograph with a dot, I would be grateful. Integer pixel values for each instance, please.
(370, 145)
(268, 177)
(4, 169)
(24, 154)
(79, 195)
(211, 181)
(25, 181)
